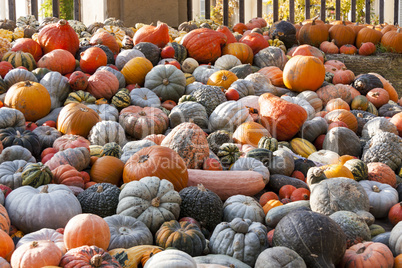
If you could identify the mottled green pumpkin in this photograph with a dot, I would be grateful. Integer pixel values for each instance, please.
(36, 174)
(261, 154)
(180, 52)
(228, 153)
(80, 97)
(122, 99)
(268, 143)
(217, 138)
(358, 168)
(40, 73)
(3, 86)
(112, 149)
(185, 98)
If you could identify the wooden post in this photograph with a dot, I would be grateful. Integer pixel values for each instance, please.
(207, 9)
(259, 8)
(307, 11)
(381, 11)
(323, 10)
(11, 10)
(241, 11)
(292, 11)
(338, 10)
(353, 10)
(77, 10)
(276, 10)
(396, 10)
(189, 10)
(56, 9)
(34, 8)
(226, 12)
(367, 11)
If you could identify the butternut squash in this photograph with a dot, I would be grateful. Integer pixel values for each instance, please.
(131, 257)
(227, 183)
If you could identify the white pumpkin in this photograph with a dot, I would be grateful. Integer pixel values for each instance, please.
(126, 55)
(261, 84)
(58, 88)
(252, 164)
(134, 146)
(105, 111)
(144, 97)
(228, 116)
(312, 98)
(203, 72)
(107, 131)
(171, 258)
(325, 157)
(227, 62)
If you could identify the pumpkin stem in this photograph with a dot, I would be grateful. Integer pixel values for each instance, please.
(142, 113)
(84, 109)
(96, 260)
(314, 19)
(18, 134)
(201, 187)
(48, 132)
(165, 81)
(100, 189)
(62, 22)
(143, 158)
(359, 84)
(376, 189)
(361, 250)
(28, 84)
(44, 189)
(155, 202)
(360, 115)
(34, 244)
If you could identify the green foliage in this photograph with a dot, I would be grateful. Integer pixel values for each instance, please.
(66, 9)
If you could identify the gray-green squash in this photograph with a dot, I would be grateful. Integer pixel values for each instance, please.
(228, 116)
(270, 56)
(58, 88)
(244, 207)
(189, 111)
(278, 257)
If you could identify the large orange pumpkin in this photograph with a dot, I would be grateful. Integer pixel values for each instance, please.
(307, 50)
(240, 50)
(158, 161)
(380, 172)
(58, 60)
(225, 30)
(31, 98)
(58, 35)
(368, 35)
(204, 45)
(136, 69)
(342, 34)
(250, 133)
(368, 254)
(103, 84)
(6, 245)
(4, 219)
(303, 73)
(106, 39)
(282, 118)
(77, 119)
(156, 35)
(313, 33)
(86, 229)
(107, 169)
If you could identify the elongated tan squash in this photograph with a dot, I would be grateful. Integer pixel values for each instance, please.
(131, 257)
(227, 183)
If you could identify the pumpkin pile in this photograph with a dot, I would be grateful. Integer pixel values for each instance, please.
(198, 147)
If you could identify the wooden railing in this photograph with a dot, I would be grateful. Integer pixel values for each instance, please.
(275, 9)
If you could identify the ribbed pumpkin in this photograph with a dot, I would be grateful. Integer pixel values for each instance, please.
(222, 78)
(58, 60)
(111, 149)
(89, 256)
(368, 254)
(336, 170)
(240, 50)
(31, 98)
(158, 161)
(76, 118)
(336, 104)
(103, 84)
(307, 50)
(107, 169)
(86, 229)
(269, 143)
(136, 69)
(36, 174)
(250, 133)
(344, 116)
(274, 74)
(68, 175)
(303, 73)
(36, 254)
(271, 204)
(106, 39)
(190, 142)
(382, 173)
(58, 35)
(358, 168)
(342, 34)
(392, 40)
(158, 35)
(20, 58)
(282, 118)
(313, 33)
(368, 35)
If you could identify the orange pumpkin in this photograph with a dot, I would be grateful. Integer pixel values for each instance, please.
(342, 34)
(240, 50)
(256, 41)
(158, 161)
(4, 219)
(337, 170)
(36, 254)
(31, 98)
(86, 229)
(367, 254)
(393, 95)
(136, 69)
(392, 40)
(329, 92)
(156, 35)
(58, 60)
(382, 173)
(250, 133)
(300, 194)
(6, 245)
(378, 97)
(356, 27)
(106, 39)
(329, 47)
(286, 191)
(107, 169)
(92, 59)
(103, 84)
(343, 76)
(222, 78)
(344, 116)
(395, 214)
(68, 175)
(70, 141)
(313, 33)
(336, 104)
(398, 261)
(282, 118)
(266, 197)
(348, 49)
(274, 74)
(270, 205)
(307, 50)
(77, 119)
(157, 138)
(58, 35)
(368, 35)
(29, 46)
(397, 121)
(303, 73)
(239, 28)
(225, 30)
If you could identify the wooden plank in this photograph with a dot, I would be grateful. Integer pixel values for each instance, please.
(225, 12)
(11, 10)
(275, 8)
(34, 8)
(207, 9)
(367, 20)
(323, 10)
(381, 11)
(292, 11)
(353, 4)
(259, 8)
(338, 10)
(189, 10)
(56, 8)
(396, 10)
(77, 7)
(307, 11)
(241, 11)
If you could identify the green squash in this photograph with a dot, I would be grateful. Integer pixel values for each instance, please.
(228, 153)
(358, 168)
(112, 149)
(261, 154)
(268, 143)
(121, 99)
(217, 138)
(80, 96)
(19, 136)
(180, 52)
(376, 229)
(185, 98)
(36, 174)
(20, 58)
(3, 86)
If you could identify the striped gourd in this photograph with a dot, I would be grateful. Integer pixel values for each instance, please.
(3, 86)
(20, 58)
(185, 98)
(228, 153)
(95, 150)
(121, 99)
(80, 97)
(358, 168)
(261, 154)
(302, 147)
(111, 149)
(36, 174)
(180, 53)
(269, 143)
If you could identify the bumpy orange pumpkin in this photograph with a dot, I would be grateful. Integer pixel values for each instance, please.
(382, 173)
(31, 98)
(156, 35)
(282, 118)
(103, 84)
(303, 73)
(76, 118)
(158, 161)
(135, 70)
(240, 50)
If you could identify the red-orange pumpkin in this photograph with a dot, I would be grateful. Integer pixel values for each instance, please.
(28, 45)
(225, 30)
(68, 175)
(158, 161)
(70, 141)
(397, 121)
(378, 97)
(367, 254)
(366, 49)
(343, 76)
(382, 173)
(58, 60)
(393, 95)
(4, 219)
(265, 197)
(107, 39)
(78, 81)
(395, 214)
(282, 118)
(92, 59)
(274, 74)
(392, 40)
(156, 35)
(307, 50)
(329, 47)
(157, 138)
(348, 49)
(256, 41)
(103, 84)
(6, 245)
(344, 116)
(107, 169)
(368, 35)
(58, 35)
(240, 28)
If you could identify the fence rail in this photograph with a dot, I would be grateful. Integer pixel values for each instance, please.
(275, 8)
